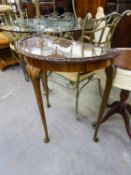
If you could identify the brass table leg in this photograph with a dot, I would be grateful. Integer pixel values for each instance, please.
(109, 79)
(35, 76)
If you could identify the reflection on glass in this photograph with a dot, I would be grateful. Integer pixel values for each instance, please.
(49, 24)
(65, 50)
(44, 45)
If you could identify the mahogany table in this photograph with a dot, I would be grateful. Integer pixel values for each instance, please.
(52, 53)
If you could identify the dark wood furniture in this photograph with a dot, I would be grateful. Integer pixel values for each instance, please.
(63, 6)
(30, 8)
(37, 64)
(46, 7)
(5, 53)
(84, 6)
(122, 34)
(121, 107)
(111, 6)
(6, 58)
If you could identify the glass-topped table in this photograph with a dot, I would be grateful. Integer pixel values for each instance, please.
(58, 54)
(22, 27)
(56, 49)
(34, 25)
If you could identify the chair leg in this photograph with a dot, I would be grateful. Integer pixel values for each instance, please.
(23, 65)
(21, 62)
(100, 88)
(45, 86)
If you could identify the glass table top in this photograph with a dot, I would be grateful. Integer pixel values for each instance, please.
(45, 47)
(34, 25)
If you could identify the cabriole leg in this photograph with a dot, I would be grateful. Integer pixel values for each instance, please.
(35, 75)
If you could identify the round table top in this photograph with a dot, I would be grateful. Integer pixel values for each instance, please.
(44, 49)
(34, 25)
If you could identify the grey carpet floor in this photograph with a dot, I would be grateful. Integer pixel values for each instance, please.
(71, 150)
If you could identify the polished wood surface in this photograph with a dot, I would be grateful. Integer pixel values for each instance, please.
(46, 7)
(37, 64)
(6, 58)
(122, 34)
(84, 6)
(30, 8)
(123, 61)
(63, 6)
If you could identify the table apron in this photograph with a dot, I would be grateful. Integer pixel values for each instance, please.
(68, 66)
